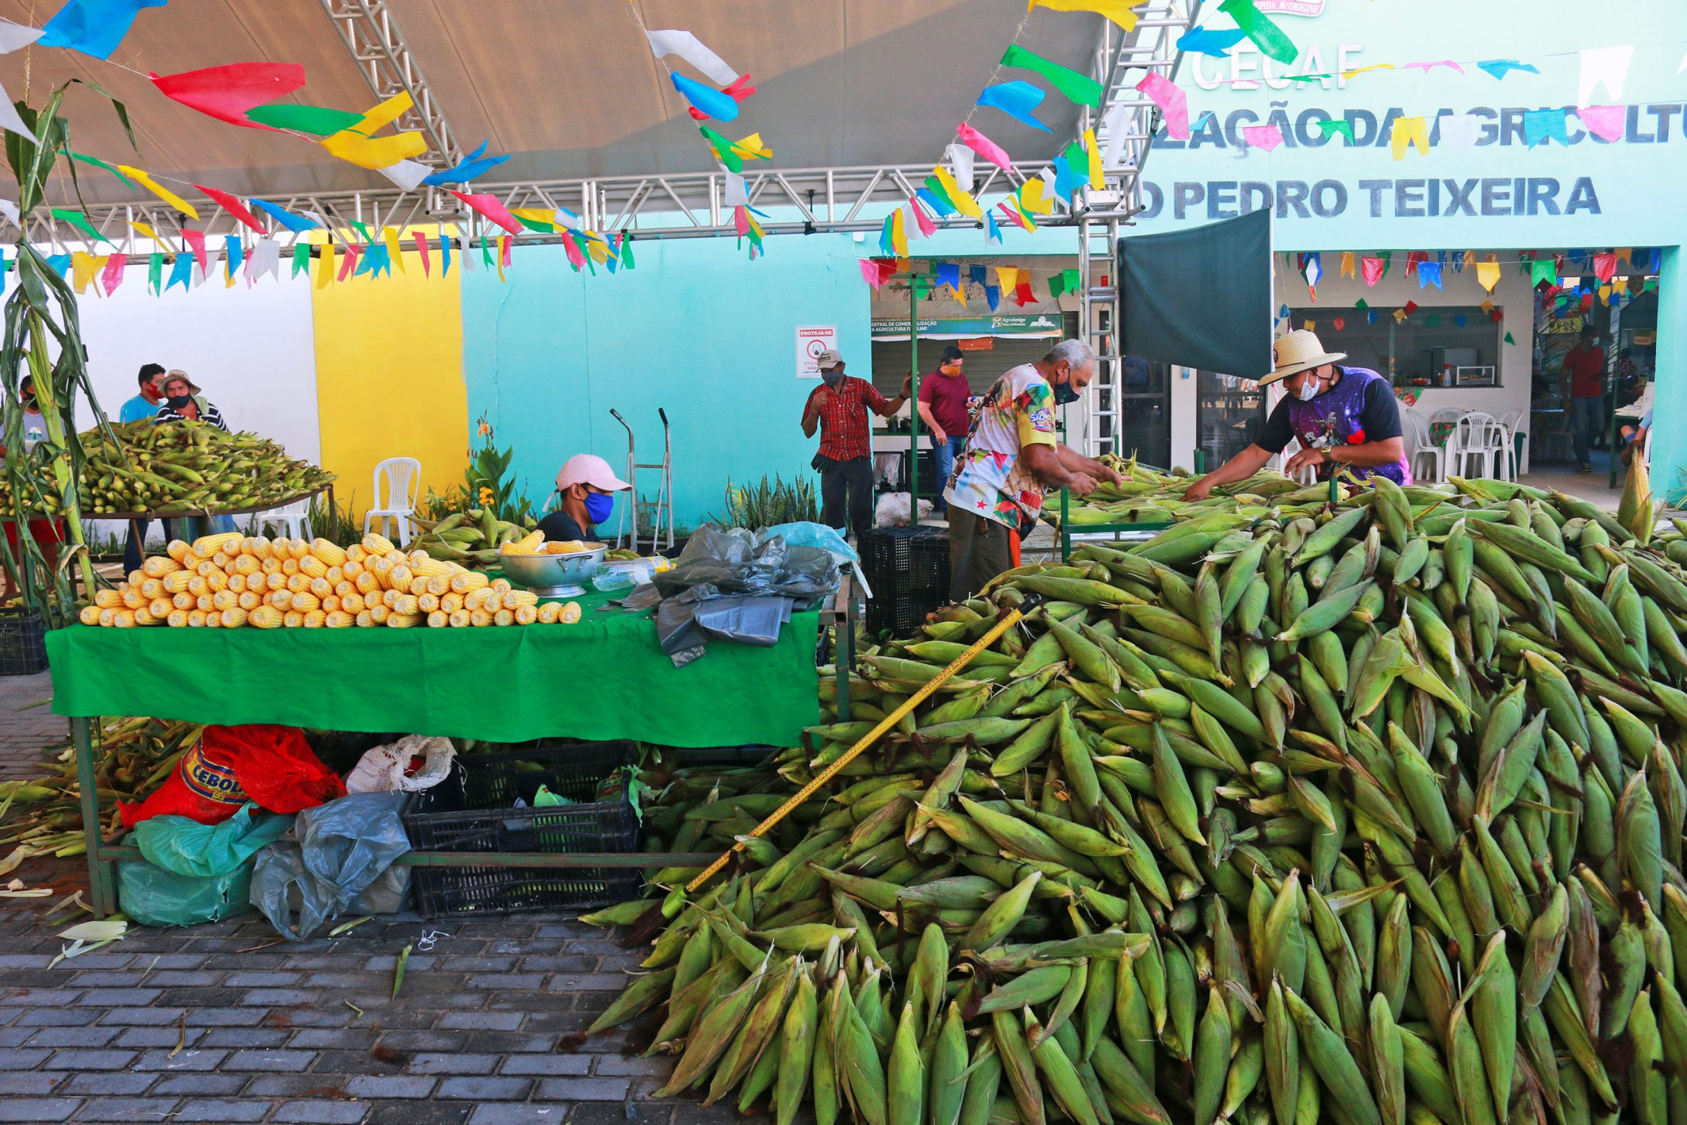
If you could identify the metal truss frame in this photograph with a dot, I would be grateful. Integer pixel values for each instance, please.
(687, 204)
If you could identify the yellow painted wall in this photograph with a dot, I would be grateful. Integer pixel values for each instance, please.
(389, 376)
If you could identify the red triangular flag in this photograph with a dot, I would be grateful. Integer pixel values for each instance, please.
(1411, 307)
(196, 239)
(1604, 266)
(1372, 268)
(228, 92)
(572, 248)
(349, 266)
(1023, 294)
(422, 245)
(1340, 323)
(234, 207)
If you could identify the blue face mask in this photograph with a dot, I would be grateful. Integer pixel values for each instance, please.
(1063, 394)
(598, 506)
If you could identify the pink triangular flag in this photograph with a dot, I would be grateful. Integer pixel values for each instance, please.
(1372, 269)
(504, 252)
(741, 221)
(1265, 137)
(1426, 67)
(196, 239)
(490, 207)
(1604, 121)
(870, 273)
(427, 259)
(983, 146)
(234, 207)
(576, 258)
(1173, 103)
(113, 275)
(1604, 266)
(927, 227)
(349, 266)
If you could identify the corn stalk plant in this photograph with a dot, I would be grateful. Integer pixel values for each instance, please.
(42, 343)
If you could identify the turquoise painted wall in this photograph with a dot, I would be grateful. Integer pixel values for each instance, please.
(694, 329)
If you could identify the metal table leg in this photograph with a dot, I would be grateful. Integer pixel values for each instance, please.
(102, 880)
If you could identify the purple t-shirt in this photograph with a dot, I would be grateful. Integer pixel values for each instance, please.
(1361, 407)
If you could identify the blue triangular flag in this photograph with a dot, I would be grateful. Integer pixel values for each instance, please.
(1429, 273)
(975, 274)
(993, 294)
(94, 27)
(992, 232)
(445, 256)
(1499, 68)
(59, 262)
(1460, 319)
(181, 271)
(887, 246)
(935, 202)
(1215, 43)
(292, 222)
(1017, 100)
(471, 167)
(1543, 125)
(236, 251)
(948, 273)
(1067, 179)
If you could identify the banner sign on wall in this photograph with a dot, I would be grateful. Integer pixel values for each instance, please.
(812, 339)
(970, 326)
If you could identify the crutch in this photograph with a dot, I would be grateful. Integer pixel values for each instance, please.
(630, 509)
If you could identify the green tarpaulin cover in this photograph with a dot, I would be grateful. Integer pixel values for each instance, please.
(604, 678)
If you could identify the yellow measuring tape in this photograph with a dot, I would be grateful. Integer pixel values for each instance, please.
(1012, 618)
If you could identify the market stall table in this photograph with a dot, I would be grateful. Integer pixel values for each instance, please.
(601, 679)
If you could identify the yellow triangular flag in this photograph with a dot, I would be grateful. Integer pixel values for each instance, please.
(1310, 325)
(374, 153)
(598, 251)
(83, 266)
(1348, 75)
(1399, 316)
(390, 236)
(1604, 294)
(1119, 11)
(904, 265)
(325, 265)
(536, 215)
(1007, 277)
(1469, 258)
(1619, 285)
(751, 148)
(145, 230)
(1032, 199)
(898, 234)
(1488, 273)
(1347, 259)
(963, 201)
(385, 114)
(163, 193)
(1095, 159)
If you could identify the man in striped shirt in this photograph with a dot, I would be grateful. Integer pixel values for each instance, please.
(182, 400)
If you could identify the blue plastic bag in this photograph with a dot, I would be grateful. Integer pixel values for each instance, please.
(153, 896)
(805, 534)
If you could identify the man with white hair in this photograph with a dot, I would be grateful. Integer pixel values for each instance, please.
(1012, 457)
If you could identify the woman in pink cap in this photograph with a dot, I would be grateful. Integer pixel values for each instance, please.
(585, 484)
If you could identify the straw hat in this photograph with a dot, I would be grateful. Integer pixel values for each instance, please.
(1297, 351)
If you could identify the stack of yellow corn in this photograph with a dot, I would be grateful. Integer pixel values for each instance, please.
(529, 544)
(227, 580)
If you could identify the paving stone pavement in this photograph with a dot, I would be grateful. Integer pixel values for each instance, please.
(27, 724)
(226, 1023)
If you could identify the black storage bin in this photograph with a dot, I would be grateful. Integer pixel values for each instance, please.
(471, 811)
(23, 643)
(908, 569)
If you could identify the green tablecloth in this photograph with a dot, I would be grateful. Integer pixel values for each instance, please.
(603, 678)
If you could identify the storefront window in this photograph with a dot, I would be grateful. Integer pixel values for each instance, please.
(1229, 413)
(1446, 346)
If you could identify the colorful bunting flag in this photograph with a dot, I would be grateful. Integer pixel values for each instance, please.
(1543, 125)
(983, 146)
(235, 251)
(962, 200)
(1604, 67)
(1488, 272)
(155, 273)
(301, 257)
(234, 207)
(94, 27)
(80, 221)
(1545, 270)
(1347, 263)
(993, 296)
(1266, 137)
(161, 192)
(1413, 131)
(1119, 11)
(98, 163)
(444, 255)
(1499, 68)
(992, 232)
(1429, 273)
(926, 226)
(1372, 269)
(1267, 36)
(1023, 295)
(1079, 88)
(688, 47)
(1604, 266)
(395, 254)
(1604, 121)
(292, 222)
(325, 265)
(1016, 99)
(470, 167)
(358, 144)
(83, 267)
(265, 259)
(706, 100)
(1205, 41)
(317, 120)
(181, 271)
(229, 93)
(490, 208)
(1173, 103)
(1330, 128)
(196, 239)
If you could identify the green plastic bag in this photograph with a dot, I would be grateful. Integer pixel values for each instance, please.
(183, 846)
(152, 896)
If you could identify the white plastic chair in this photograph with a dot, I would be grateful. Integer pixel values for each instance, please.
(292, 518)
(1478, 441)
(402, 477)
(1446, 414)
(1515, 424)
(1427, 459)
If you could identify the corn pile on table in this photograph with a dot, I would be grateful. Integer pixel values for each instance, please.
(601, 679)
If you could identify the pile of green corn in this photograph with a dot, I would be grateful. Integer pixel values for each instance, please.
(1370, 813)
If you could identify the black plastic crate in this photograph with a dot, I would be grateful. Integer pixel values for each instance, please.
(23, 643)
(472, 811)
(908, 569)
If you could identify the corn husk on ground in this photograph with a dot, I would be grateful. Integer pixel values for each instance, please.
(1370, 814)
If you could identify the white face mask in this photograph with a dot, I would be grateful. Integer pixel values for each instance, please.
(1308, 389)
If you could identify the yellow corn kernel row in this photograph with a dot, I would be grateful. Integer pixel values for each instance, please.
(528, 544)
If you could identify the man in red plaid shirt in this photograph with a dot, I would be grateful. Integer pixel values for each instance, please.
(839, 407)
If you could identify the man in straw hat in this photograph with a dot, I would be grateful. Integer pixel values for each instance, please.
(1345, 418)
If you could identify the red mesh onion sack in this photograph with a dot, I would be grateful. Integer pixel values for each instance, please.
(272, 765)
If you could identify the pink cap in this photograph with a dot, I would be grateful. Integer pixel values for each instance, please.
(588, 468)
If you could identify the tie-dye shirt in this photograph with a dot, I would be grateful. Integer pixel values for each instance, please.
(990, 478)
